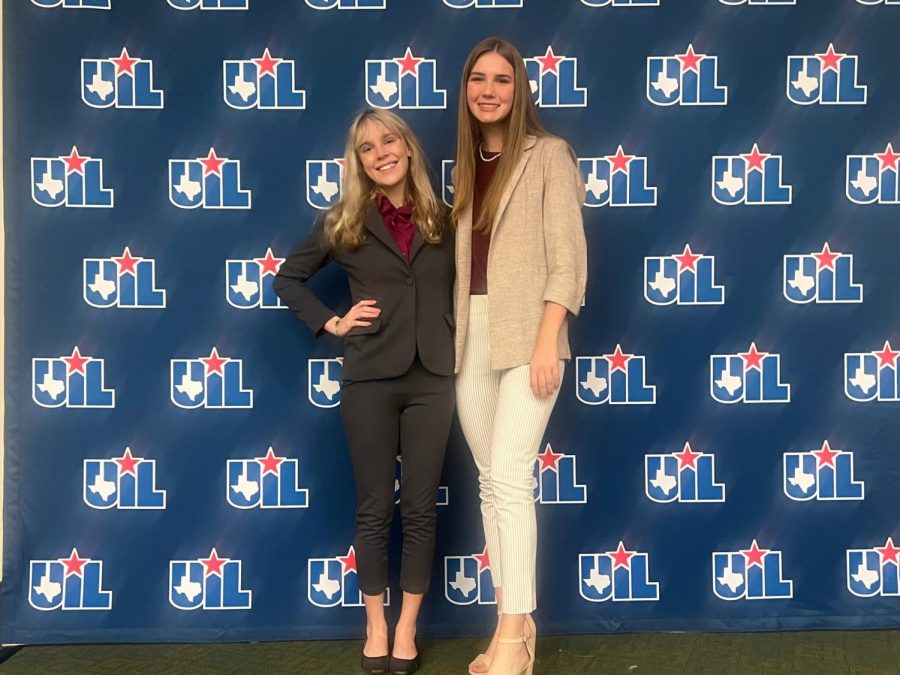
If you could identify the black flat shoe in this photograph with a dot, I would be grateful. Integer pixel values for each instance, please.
(404, 666)
(376, 665)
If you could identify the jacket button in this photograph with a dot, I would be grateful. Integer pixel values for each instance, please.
(409, 282)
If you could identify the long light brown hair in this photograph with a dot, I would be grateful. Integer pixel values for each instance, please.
(345, 221)
(522, 120)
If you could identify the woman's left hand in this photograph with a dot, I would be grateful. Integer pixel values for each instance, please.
(544, 368)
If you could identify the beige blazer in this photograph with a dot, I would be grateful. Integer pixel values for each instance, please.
(537, 254)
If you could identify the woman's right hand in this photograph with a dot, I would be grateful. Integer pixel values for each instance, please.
(356, 316)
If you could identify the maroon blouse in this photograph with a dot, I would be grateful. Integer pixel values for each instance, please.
(398, 222)
(481, 241)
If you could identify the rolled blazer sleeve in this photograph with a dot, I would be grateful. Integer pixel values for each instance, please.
(564, 240)
(291, 281)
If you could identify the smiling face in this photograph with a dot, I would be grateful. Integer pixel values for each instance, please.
(384, 156)
(490, 88)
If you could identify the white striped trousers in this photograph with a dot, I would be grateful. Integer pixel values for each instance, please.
(504, 423)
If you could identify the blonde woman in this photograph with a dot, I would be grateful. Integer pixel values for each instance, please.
(391, 237)
(521, 273)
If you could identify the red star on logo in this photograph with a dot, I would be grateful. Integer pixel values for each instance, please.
(270, 462)
(349, 561)
(830, 58)
(409, 63)
(888, 551)
(549, 61)
(484, 560)
(267, 64)
(124, 64)
(619, 160)
(617, 359)
(687, 457)
(126, 262)
(687, 260)
(755, 159)
(214, 362)
(621, 557)
(73, 563)
(75, 162)
(753, 358)
(887, 356)
(212, 164)
(888, 158)
(213, 563)
(689, 60)
(270, 263)
(76, 362)
(826, 455)
(755, 554)
(549, 459)
(825, 258)
(127, 462)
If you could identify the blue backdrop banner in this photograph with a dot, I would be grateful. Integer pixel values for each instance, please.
(724, 454)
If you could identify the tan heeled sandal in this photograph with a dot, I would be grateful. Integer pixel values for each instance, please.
(482, 660)
(530, 639)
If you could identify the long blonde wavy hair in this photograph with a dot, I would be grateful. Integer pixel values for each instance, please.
(523, 120)
(345, 221)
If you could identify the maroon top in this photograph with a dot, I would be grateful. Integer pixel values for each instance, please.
(398, 222)
(481, 241)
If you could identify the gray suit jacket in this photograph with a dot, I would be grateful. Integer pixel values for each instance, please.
(537, 254)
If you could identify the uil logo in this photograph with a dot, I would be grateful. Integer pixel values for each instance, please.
(826, 79)
(483, 4)
(617, 379)
(685, 79)
(554, 81)
(268, 482)
(874, 571)
(824, 276)
(324, 390)
(74, 381)
(407, 82)
(443, 494)
(467, 579)
(616, 180)
(556, 477)
(347, 4)
(265, 83)
(207, 583)
(621, 3)
(685, 279)
(210, 4)
(125, 482)
(753, 178)
(123, 82)
(332, 582)
(73, 4)
(324, 178)
(209, 382)
(124, 282)
(209, 182)
(685, 476)
(248, 283)
(747, 377)
(72, 181)
(769, 3)
(68, 583)
(874, 179)
(824, 474)
(751, 574)
(620, 576)
(879, 2)
(447, 167)
(872, 376)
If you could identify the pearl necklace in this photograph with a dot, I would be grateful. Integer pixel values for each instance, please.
(485, 159)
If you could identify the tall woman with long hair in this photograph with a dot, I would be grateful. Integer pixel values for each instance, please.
(391, 236)
(521, 272)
